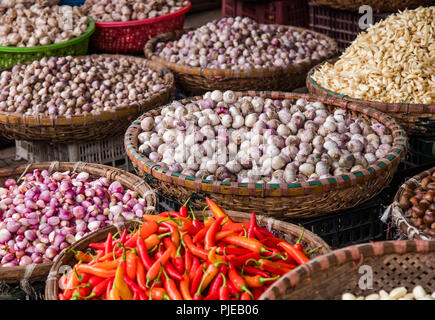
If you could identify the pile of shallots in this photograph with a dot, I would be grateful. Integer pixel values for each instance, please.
(242, 43)
(44, 213)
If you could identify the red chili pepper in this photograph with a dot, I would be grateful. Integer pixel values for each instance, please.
(133, 286)
(246, 296)
(156, 267)
(251, 244)
(108, 246)
(187, 260)
(109, 287)
(200, 234)
(232, 289)
(195, 266)
(274, 267)
(238, 281)
(224, 293)
(213, 292)
(143, 253)
(210, 236)
(298, 245)
(265, 232)
(215, 209)
(100, 288)
(175, 236)
(183, 209)
(258, 234)
(94, 280)
(258, 281)
(179, 261)
(61, 296)
(131, 264)
(257, 292)
(174, 214)
(252, 225)
(296, 254)
(97, 246)
(140, 275)
(238, 261)
(195, 250)
(196, 280)
(254, 271)
(229, 250)
(123, 236)
(171, 287)
(235, 226)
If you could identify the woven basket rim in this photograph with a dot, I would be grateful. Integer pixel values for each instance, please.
(236, 73)
(408, 108)
(398, 215)
(261, 219)
(354, 253)
(43, 120)
(131, 23)
(90, 30)
(301, 188)
(110, 173)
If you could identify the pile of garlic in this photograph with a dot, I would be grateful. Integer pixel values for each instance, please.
(401, 293)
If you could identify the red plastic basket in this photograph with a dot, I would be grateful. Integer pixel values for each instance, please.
(131, 36)
(287, 12)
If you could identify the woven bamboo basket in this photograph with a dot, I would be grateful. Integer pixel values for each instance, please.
(35, 272)
(198, 80)
(297, 200)
(284, 230)
(376, 5)
(400, 219)
(392, 264)
(64, 129)
(416, 119)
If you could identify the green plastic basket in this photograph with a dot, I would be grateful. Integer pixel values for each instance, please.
(10, 56)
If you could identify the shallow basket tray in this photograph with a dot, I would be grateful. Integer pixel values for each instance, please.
(392, 264)
(10, 56)
(398, 216)
(64, 129)
(284, 230)
(131, 36)
(416, 119)
(199, 80)
(40, 271)
(376, 5)
(296, 200)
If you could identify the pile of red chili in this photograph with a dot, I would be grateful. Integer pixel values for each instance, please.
(174, 256)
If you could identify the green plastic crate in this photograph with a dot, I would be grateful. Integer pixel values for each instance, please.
(10, 56)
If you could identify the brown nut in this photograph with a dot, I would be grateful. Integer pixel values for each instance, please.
(432, 207)
(429, 219)
(416, 221)
(431, 233)
(429, 196)
(417, 211)
(425, 181)
(431, 186)
(424, 204)
(414, 200)
(404, 202)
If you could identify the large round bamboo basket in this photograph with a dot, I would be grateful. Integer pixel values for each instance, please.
(416, 119)
(400, 219)
(297, 200)
(90, 127)
(284, 230)
(198, 80)
(390, 264)
(128, 180)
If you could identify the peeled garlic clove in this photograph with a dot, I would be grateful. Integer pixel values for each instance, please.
(348, 296)
(397, 293)
(384, 295)
(373, 296)
(419, 292)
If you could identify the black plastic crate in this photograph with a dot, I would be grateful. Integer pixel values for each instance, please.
(352, 226)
